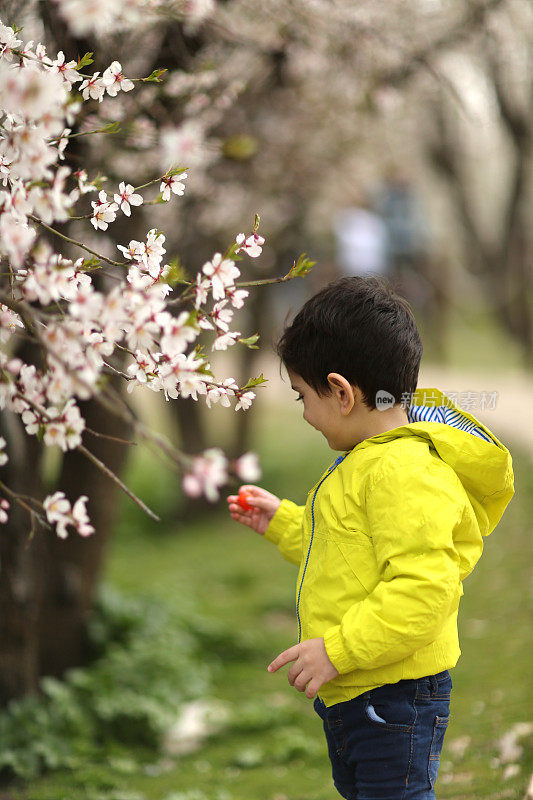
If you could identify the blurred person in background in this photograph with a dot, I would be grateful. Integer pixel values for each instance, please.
(408, 239)
(361, 239)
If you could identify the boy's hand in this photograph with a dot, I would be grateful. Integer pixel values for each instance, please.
(264, 507)
(311, 668)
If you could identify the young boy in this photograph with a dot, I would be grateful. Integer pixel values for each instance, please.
(385, 539)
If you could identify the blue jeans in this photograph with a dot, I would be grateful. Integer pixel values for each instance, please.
(386, 743)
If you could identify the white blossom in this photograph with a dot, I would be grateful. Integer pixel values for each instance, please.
(8, 42)
(237, 296)
(221, 392)
(67, 70)
(245, 401)
(201, 290)
(16, 238)
(59, 512)
(222, 316)
(93, 87)
(114, 80)
(127, 197)
(177, 334)
(144, 370)
(88, 16)
(180, 377)
(253, 245)
(31, 93)
(104, 212)
(222, 272)
(172, 184)
(9, 322)
(3, 455)
(225, 340)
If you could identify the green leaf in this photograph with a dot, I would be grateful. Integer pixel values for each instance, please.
(155, 76)
(301, 267)
(251, 341)
(257, 220)
(175, 171)
(231, 254)
(84, 61)
(176, 273)
(91, 263)
(240, 147)
(192, 320)
(113, 127)
(254, 382)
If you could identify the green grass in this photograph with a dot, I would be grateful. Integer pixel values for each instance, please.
(240, 582)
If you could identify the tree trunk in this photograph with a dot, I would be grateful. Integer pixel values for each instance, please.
(20, 561)
(72, 566)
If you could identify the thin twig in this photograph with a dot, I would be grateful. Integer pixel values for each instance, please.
(78, 244)
(18, 499)
(107, 436)
(100, 464)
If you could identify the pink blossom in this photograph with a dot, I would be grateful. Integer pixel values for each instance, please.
(209, 472)
(247, 467)
(4, 508)
(3, 455)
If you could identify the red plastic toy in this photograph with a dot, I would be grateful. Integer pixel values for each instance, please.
(242, 500)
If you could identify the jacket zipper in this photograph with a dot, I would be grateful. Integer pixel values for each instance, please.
(319, 484)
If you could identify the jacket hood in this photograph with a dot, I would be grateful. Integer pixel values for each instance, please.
(481, 462)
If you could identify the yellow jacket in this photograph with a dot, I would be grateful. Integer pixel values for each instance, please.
(385, 539)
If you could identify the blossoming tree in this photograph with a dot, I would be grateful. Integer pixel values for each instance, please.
(60, 332)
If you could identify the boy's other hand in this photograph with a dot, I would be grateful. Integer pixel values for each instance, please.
(264, 506)
(311, 668)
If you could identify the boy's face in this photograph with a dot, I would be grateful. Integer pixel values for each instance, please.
(324, 413)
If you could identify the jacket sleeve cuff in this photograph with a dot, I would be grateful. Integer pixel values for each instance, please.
(337, 653)
(279, 523)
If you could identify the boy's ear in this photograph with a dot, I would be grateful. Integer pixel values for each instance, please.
(343, 391)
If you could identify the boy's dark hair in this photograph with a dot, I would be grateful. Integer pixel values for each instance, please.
(359, 327)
